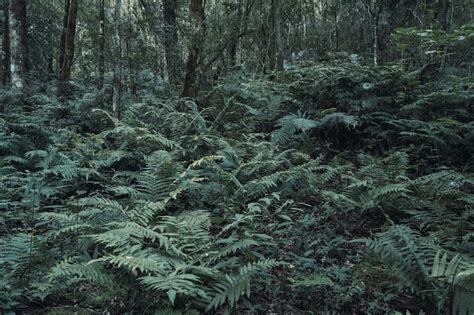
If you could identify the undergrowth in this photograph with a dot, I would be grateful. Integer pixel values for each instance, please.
(324, 189)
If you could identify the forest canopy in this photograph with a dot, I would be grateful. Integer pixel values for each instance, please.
(237, 157)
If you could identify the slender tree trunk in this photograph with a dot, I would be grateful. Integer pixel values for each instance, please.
(128, 49)
(447, 18)
(244, 27)
(374, 11)
(235, 40)
(117, 82)
(277, 42)
(190, 88)
(304, 19)
(6, 44)
(62, 41)
(336, 25)
(375, 43)
(304, 27)
(173, 56)
(443, 12)
(18, 31)
(66, 51)
(101, 44)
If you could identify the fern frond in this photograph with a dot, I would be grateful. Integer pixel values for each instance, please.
(232, 287)
(144, 211)
(139, 261)
(444, 269)
(408, 257)
(121, 234)
(289, 125)
(186, 284)
(236, 245)
(88, 272)
(463, 297)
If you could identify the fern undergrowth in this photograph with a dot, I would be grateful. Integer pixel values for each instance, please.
(335, 189)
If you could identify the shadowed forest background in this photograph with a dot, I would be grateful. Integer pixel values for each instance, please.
(237, 157)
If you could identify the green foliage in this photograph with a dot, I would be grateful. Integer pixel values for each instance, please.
(359, 201)
(463, 290)
(432, 43)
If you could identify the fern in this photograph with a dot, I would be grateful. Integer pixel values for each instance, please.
(181, 205)
(234, 286)
(289, 125)
(407, 258)
(90, 272)
(463, 293)
(444, 269)
(342, 119)
(180, 283)
(138, 261)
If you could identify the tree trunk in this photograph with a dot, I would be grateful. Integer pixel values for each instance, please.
(117, 82)
(173, 57)
(374, 11)
(130, 77)
(66, 50)
(375, 43)
(6, 44)
(305, 20)
(443, 13)
(190, 88)
(18, 43)
(336, 25)
(101, 44)
(235, 41)
(62, 41)
(277, 44)
(446, 21)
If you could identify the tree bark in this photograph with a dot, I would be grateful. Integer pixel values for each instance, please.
(6, 44)
(128, 48)
(446, 23)
(277, 43)
(66, 50)
(101, 44)
(374, 11)
(117, 81)
(443, 14)
(375, 33)
(190, 88)
(18, 31)
(235, 41)
(62, 41)
(336, 24)
(173, 56)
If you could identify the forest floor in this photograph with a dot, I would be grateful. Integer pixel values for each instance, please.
(323, 189)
